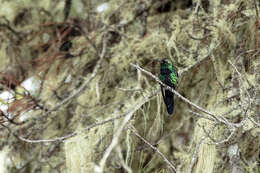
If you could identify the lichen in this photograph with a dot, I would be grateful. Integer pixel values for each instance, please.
(201, 44)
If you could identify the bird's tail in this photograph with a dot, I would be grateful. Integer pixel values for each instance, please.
(169, 101)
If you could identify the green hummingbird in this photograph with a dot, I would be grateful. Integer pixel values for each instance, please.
(169, 76)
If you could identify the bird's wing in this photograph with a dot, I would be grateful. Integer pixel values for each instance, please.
(163, 93)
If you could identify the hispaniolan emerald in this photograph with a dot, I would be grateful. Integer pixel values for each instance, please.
(169, 76)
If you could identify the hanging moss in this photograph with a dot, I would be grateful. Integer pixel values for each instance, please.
(200, 37)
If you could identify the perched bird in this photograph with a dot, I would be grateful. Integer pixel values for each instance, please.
(169, 76)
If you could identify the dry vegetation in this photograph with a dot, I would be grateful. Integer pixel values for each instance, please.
(98, 107)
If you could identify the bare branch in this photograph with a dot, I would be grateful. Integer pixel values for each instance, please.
(116, 136)
(240, 78)
(256, 123)
(234, 159)
(232, 132)
(135, 107)
(154, 148)
(114, 142)
(202, 116)
(195, 154)
(179, 95)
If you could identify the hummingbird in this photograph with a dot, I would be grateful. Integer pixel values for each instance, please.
(169, 76)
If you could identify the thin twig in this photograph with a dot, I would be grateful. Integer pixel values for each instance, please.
(225, 100)
(114, 142)
(248, 95)
(253, 121)
(138, 105)
(256, 10)
(82, 87)
(116, 136)
(202, 116)
(208, 133)
(178, 94)
(232, 132)
(195, 154)
(154, 148)
(240, 78)
(199, 61)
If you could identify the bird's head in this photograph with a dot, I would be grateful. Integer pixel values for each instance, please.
(165, 61)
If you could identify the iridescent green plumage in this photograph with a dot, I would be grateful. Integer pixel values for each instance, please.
(169, 76)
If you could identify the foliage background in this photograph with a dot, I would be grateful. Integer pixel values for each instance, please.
(214, 44)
